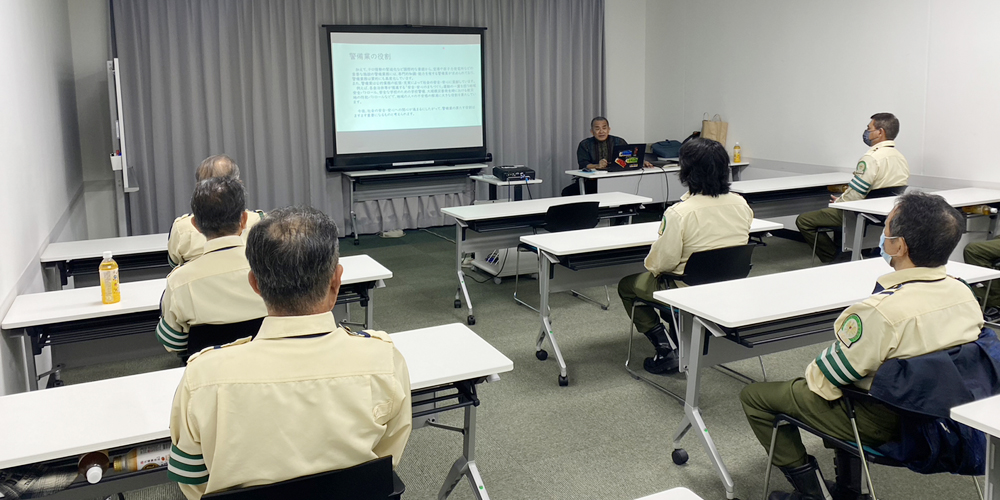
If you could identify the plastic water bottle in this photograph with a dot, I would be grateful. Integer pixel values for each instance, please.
(92, 466)
(980, 209)
(143, 457)
(737, 153)
(109, 280)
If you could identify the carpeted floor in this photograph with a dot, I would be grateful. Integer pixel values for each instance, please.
(606, 436)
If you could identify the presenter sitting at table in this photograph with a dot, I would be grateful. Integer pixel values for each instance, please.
(304, 396)
(916, 309)
(986, 254)
(594, 153)
(881, 167)
(213, 289)
(185, 242)
(707, 217)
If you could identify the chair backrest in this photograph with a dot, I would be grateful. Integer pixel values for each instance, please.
(886, 192)
(572, 216)
(369, 481)
(720, 264)
(202, 336)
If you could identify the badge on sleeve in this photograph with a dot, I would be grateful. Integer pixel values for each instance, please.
(663, 225)
(850, 330)
(862, 166)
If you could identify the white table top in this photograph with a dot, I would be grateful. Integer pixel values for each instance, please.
(612, 237)
(790, 182)
(412, 170)
(983, 415)
(46, 308)
(963, 197)
(75, 419)
(531, 207)
(778, 296)
(89, 249)
(494, 180)
(673, 494)
(624, 173)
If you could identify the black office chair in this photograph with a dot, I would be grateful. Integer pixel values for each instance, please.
(922, 390)
(202, 336)
(559, 218)
(709, 266)
(374, 480)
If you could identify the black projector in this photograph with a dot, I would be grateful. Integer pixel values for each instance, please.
(513, 173)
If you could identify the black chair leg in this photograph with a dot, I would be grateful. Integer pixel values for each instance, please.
(849, 476)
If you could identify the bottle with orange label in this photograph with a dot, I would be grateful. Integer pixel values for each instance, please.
(109, 280)
(980, 209)
(143, 457)
(737, 153)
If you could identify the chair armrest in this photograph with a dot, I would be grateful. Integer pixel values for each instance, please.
(855, 393)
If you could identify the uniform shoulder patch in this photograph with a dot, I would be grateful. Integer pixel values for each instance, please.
(862, 167)
(663, 224)
(850, 330)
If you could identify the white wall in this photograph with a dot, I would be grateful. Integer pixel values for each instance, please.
(40, 176)
(797, 81)
(625, 49)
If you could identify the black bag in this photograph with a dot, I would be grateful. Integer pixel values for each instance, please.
(667, 149)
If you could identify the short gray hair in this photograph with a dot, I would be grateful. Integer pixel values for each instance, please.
(217, 166)
(293, 253)
(218, 205)
(930, 226)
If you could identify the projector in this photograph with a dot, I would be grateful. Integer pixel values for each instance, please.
(513, 173)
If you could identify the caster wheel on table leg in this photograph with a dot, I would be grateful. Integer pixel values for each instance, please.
(498, 280)
(471, 320)
(563, 381)
(542, 355)
(458, 304)
(357, 242)
(679, 456)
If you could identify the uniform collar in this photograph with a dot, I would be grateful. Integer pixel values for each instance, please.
(896, 278)
(883, 144)
(276, 327)
(223, 242)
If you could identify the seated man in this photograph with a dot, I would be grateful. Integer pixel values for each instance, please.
(915, 310)
(594, 153)
(185, 243)
(212, 290)
(707, 217)
(882, 167)
(304, 396)
(984, 254)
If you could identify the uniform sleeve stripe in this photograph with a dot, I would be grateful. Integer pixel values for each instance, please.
(174, 450)
(829, 368)
(842, 358)
(174, 333)
(861, 182)
(857, 188)
(186, 477)
(187, 469)
(171, 262)
(193, 463)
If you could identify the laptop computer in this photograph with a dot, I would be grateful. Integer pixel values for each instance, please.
(627, 157)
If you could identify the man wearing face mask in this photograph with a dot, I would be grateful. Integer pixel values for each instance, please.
(882, 171)
(914, 310)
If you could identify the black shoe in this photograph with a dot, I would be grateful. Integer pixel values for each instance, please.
(808, 483)
(841, 257)
(991, 315)
(661, 364)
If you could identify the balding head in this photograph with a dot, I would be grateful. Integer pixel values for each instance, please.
(217, 166)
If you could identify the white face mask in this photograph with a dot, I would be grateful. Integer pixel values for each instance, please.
(881, 247)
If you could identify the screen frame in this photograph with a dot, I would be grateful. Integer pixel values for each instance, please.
(395, 159)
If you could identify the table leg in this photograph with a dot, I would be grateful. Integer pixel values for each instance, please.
(992, 478)
(580, 182)
(692, 413)
(354, 215)
(30, 370)
(544, 267)
(859, 234)
(493, 192)
(53, 276)
(462, 288)
(518, 193)
(369, 310)
(466, 464)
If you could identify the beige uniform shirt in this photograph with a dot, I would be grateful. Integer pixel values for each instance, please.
(212, 290)
(881, 167)
(186, 243)
(921, 310)
(698, 223)
(303, 397)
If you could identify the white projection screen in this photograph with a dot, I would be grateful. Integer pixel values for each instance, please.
(404, 96)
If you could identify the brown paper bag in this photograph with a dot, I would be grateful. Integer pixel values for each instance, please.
(714, 129)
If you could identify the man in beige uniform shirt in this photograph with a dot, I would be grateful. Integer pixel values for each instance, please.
(708, 217)
(881, 168)
(185, 243)
(212, 290)
(304, 396)
(915, 310)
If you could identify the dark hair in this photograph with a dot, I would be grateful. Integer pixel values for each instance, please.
(704, 167)
(930, 227)
(293, 253)
(217, 166)
(887, 122)
(218, 205)
(598, 119)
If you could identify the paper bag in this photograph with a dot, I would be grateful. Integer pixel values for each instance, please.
(714, 129)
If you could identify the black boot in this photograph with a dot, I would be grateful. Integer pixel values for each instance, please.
(807, 481)
(665, 361)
